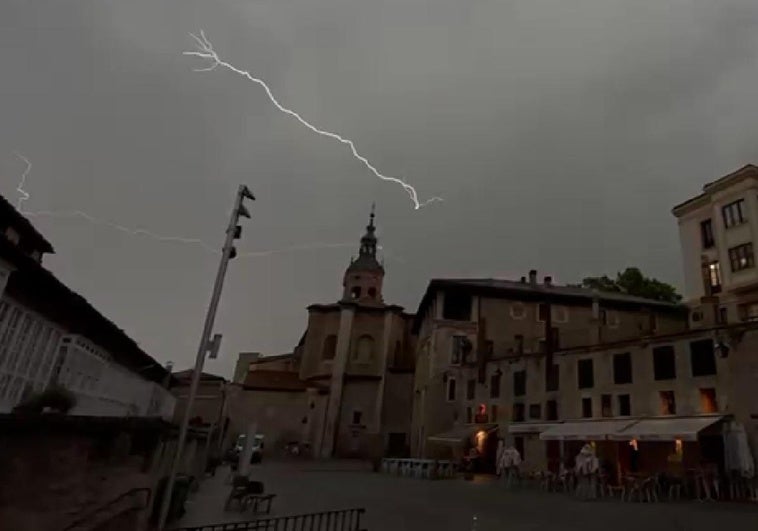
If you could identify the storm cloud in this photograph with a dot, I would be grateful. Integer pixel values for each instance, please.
(559, 134)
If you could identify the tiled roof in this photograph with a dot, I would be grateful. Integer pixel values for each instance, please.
(567, 291)
(537, 292)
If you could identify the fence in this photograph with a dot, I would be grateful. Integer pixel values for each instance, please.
(344, 520)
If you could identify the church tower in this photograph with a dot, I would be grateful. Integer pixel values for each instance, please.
(364, 276)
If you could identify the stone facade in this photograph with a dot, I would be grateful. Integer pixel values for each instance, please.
(355, 363)
(504, 326)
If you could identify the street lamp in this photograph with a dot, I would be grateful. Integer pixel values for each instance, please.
(233, 232)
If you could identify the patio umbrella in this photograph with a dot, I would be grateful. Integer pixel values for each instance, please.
(738, 454)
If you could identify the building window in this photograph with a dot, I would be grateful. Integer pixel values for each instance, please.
(518, 311)
(330, 347)
(702, 358)
(357, 417)
(668, 403)
(741, 257)
(585, 374)
(456, 306)
(451, 389)
(714, 277)
(519, 383)
(372, 292)
(708, 402)
(543, 310)
(495, 385)
(734, 213)
(364, 349)
(493, 413)
(535, 411)
(622, 368)
(356, 292)
(706, 233)
(518, 413)
(723, 315)
(609, 318)
(519, 340)
(470, 389)
(605, 406)
(664, 363)
(551, 410)
(587, 408)
(458, 348)
(552, 378)
(469, 415)
(625, 406)
(560, 314)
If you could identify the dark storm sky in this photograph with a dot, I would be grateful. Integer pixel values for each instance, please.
(559, 133)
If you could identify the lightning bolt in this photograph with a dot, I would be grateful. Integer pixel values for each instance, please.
(178, 239)
(205, 51)
(20, 188)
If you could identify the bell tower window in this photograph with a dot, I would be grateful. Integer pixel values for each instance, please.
(372, 292)
(356, 292)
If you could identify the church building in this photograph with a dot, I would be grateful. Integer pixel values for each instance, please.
(354, 367)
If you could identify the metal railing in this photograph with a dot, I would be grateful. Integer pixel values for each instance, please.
(89, 520)
(343, 520)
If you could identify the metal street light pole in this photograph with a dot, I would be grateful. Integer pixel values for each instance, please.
(233, 232)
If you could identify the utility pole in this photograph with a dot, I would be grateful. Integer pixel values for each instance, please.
(233, 232)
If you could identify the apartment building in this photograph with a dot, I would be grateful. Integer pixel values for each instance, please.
(718, 229)
(487, 348)
(50, 335)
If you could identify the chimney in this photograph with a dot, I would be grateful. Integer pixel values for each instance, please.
(533, 277)
(523, 280)
(548, 281)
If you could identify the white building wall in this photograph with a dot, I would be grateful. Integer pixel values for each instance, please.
(34, 352)
(105, 388)
(28, 343)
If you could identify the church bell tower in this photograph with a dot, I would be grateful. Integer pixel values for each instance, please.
(364, 276)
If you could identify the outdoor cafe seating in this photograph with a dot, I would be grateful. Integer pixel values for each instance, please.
(418, 468)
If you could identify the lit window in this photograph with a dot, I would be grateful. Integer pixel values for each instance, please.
(714, 277)
(741, 257)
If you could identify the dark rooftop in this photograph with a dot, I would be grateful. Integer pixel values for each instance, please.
(539, 291)
(9, 216)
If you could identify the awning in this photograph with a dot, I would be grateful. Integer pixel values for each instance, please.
(587, 430)
(460, 434)
(530, 427)
(667, 428)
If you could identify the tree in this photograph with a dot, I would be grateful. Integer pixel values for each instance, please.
(54, 399)
(632, 282)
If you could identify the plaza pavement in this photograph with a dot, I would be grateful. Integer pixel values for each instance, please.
(398, 504)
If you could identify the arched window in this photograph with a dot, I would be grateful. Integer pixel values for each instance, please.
(355, 292)
(330, 347)
(364, 349)
(372, 292)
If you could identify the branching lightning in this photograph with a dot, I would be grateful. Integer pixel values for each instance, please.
(20, 188)
(178, 239)
(205, 51)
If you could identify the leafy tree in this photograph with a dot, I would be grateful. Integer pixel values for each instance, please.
(631, 281)
(54, 399)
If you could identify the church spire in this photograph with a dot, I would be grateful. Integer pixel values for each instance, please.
(363, 278)
(368, 241)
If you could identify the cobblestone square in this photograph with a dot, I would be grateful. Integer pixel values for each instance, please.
(395, 504)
